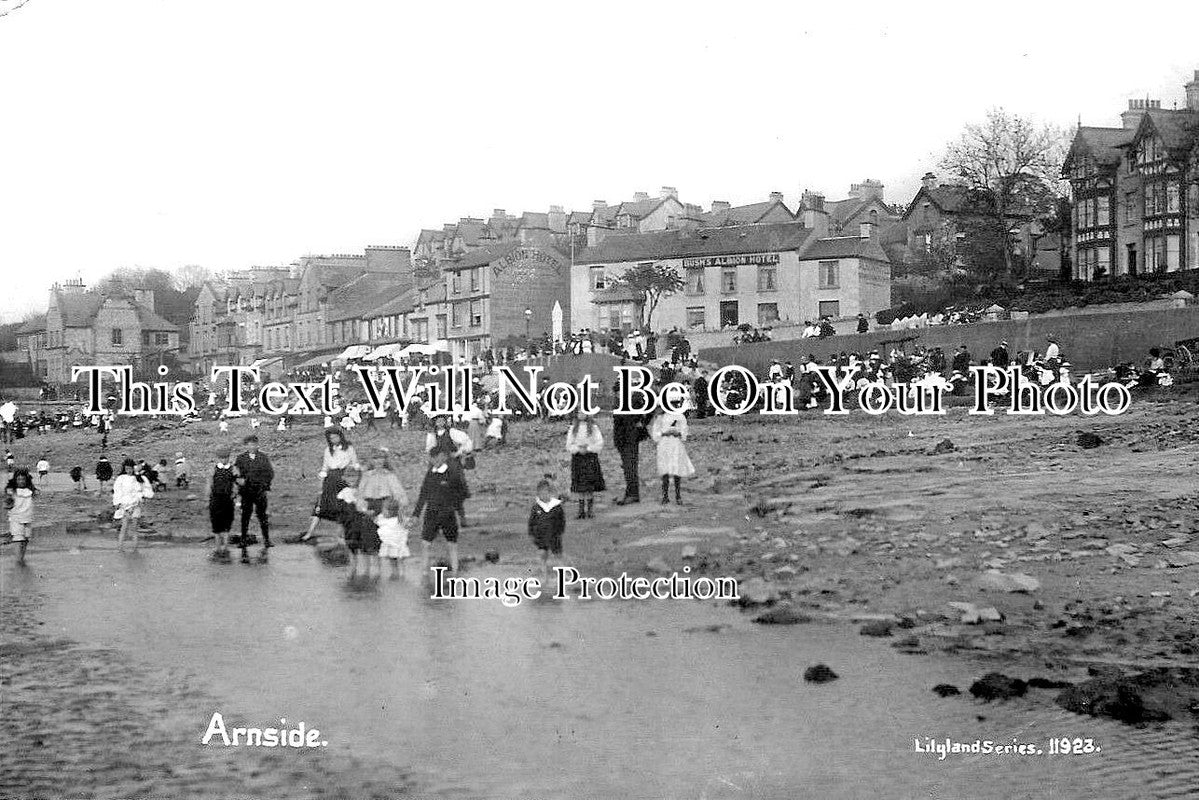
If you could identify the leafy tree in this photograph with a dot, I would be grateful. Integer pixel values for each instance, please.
(1013, 168)
(652, 281)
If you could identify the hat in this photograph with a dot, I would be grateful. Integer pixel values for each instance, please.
(1004, 344)
(250, 438)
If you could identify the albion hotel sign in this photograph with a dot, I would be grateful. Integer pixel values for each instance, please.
(730, 261)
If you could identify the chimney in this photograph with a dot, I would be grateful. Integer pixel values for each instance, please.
(929, 181)
(1193, 93)
(448, 227)
(599, 205)
(866, 189)
(640, 197)
(720, 205)
(498, 213)
(776, 197)
(866, 230)
(556, 219)
(812, 212)
(670, 191)
(1131, 118)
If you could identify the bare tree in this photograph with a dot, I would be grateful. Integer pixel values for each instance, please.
(190, 275)
(1013, 166)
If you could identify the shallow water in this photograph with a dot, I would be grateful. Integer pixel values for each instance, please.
(565, 698)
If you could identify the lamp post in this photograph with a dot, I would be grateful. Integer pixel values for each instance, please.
(528, 319)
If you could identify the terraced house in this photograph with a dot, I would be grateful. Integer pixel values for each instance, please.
(1135, 191)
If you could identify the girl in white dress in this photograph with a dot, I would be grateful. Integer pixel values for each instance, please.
(669, 430)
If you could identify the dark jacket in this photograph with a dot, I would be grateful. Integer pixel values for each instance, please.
(628, 430)
(257, 472)
(1000, 357)
(961, 362)
(441, 491)
(546, 526)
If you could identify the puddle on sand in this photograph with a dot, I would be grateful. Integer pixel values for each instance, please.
(564, 698)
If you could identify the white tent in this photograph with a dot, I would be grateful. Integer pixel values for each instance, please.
(418, 349)
(8, 411)
(354, 351)
(384, 351)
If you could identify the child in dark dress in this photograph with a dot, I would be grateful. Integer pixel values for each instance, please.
(441, 496)
(547, 523)
(103, 471)
(221, 487)
(358, 524)
(77, 478)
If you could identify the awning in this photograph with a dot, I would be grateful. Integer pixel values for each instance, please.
(383, 351)
(418, 349)
(315, 361)
(354, 351)
(262, 362)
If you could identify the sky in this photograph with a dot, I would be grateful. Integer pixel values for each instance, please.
(232, 133)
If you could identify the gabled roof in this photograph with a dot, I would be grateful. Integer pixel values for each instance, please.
(77, 310)
(579, 217)
(360, 295)
(1103, 144)
(403, 302)
(741, 215)
(640, 209)
(702, 242)
(844, 211)
(535, 220)
(844, 247)
(1178, 128)
(147, 320)
(470, 230)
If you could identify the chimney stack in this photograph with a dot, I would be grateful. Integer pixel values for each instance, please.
(776, 197)
(1192, 89)
(812, 212)
(1131, 118)
(929, 181)
(640, 197)
(866, 189)
(670, 191)
(720, 205)
(599, 205)
(498, 213)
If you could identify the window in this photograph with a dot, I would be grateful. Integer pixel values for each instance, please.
(597, 279)
(1173, 252)
(768, 313)
(162, 339)
(456, 315)
(928, 212)
(456, 282)
(829, 275)
(766, 274)
(670, 222)
(1103, 211)
(118, 337)
(728, 279)
(696, 318)
(476, 313)
(145, 338)
(1103, 264)
(1130, 206)
(830, 308)
(614, 318)
(1173, 200)
(695, 280)
(441, 326)
(476, 279)
(728, 314)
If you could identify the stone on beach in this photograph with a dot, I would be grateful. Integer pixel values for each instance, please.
(782, 615)
(994, 580)
(756, 592)
(997, 686)
(819, 673)
(974, 615)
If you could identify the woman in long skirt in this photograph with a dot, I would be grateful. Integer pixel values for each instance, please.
(669, 430)
(584, 443)
(338, 455)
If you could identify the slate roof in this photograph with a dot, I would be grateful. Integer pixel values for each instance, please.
(78, 309)
(481, 257)
(1103, 143)
(740, 215)
(844, 247)
(360, 295)
(404, 301)
(702, 242)
(147, 320)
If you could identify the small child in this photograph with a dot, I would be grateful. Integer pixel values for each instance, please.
(547, 523)
(669, 430)
(358, 527)
(77, 478)
(103, 471)
(181, 481)
(221, 487)
(158, 475)
(18, 499)
(128, 492)
(43, 466)
(8, 460)
(495, 431)
(282, 426)
(393, 537)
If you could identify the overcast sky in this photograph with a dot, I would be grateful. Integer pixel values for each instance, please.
(230, 133)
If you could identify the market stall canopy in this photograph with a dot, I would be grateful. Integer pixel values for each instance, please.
(262, 362)
(384, 351)
(425, 349)
(315, 361)
(354, 351)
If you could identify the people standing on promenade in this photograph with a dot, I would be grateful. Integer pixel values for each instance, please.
(442, 494)
(628, 432)
(456, 445)
(18, 499)
(337, 456)
(547, 523)
(221, 484)
(103, 471)
(669, 430)
(254, 476)
(380, 483)
(129, 490)
(584, 443)
(1000, 356)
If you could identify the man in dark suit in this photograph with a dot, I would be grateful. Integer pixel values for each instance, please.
(628, 431)
(1000, 357)
(703, 408)
(254, 477)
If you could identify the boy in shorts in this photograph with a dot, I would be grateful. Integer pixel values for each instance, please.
(441, 495)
